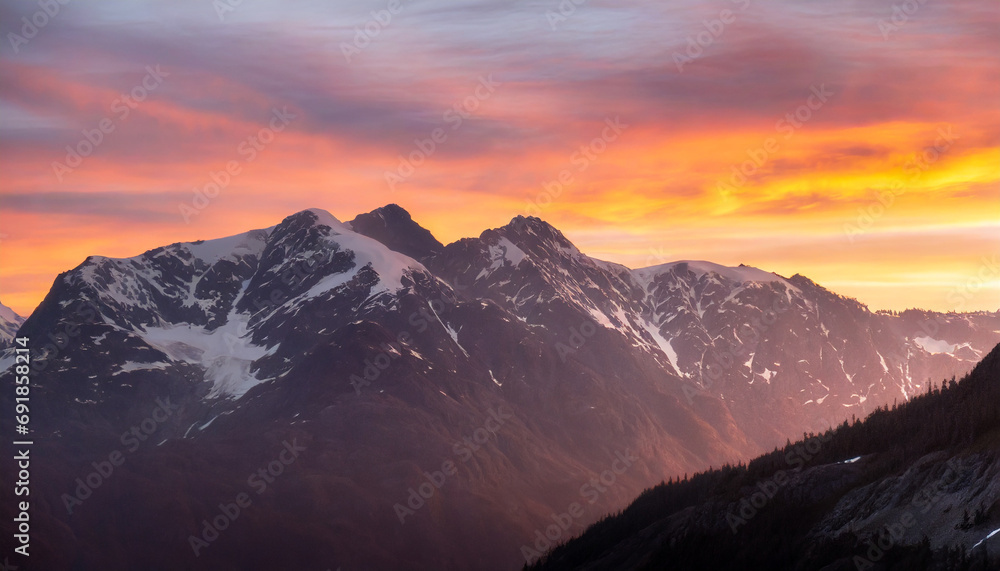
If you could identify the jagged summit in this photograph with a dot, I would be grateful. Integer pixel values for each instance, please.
(524, 238)
(309, 218)
(523, 227)
(525, 222)
(739, 274)
(392, 210)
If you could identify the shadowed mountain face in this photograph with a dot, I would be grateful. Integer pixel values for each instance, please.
(383, 402)
(917, 487)
(393, 226)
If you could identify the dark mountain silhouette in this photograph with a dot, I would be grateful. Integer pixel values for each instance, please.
(393, 226)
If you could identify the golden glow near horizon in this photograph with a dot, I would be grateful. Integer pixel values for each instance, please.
(863, 158)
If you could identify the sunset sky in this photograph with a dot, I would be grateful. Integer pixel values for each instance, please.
(826, 106)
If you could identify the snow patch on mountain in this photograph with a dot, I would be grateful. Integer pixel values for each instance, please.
(599, 317)
(454, 335)
(230, 247)
(937, 346)
(991, 534)
(225, 353)
(390, 266)
(502, 253)
(129, 366)
(505, 250)
(768, 374)
(664, 345)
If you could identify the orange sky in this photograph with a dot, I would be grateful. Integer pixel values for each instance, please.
(912, 116)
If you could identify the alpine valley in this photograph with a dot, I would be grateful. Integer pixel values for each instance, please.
(356, 395)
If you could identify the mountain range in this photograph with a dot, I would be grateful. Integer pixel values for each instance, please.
(427, 406)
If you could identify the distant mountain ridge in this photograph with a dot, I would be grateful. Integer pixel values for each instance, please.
(9, 323)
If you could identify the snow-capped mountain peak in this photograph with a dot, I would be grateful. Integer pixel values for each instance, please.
(223, 305)
(325, 218)
(531, 233)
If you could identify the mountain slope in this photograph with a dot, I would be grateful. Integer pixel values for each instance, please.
(917, 487)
